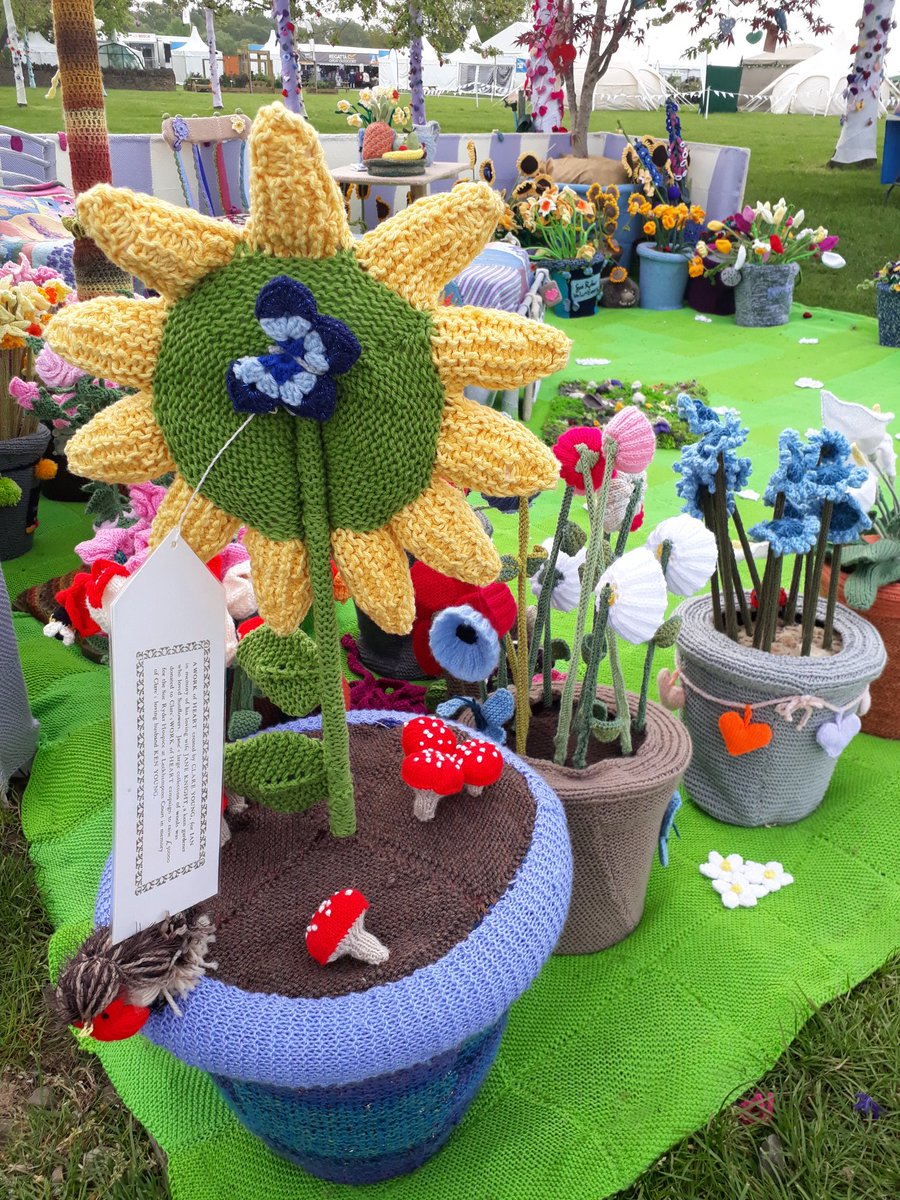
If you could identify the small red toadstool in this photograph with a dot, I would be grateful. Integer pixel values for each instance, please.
(482, 764)
(337, 928)
(119, 1020)
(431, 774)
(427, 733)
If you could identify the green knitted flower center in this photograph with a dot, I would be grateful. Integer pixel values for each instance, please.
(379, 446)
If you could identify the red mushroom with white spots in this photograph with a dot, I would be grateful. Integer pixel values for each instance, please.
(337, 927)
(431, 775)
(482, 764)
(427, 733)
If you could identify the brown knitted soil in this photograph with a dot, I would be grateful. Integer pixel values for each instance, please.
(429, 883)
(542, 731)
(788, 641)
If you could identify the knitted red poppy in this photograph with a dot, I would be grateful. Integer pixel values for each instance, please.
(567, 453)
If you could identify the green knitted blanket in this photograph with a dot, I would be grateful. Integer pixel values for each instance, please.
(608, 1059)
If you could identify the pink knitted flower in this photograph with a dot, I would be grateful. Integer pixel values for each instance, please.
(107, 542)
(566, 450)
(145, 499)
(55, 371)
(24, 392)
(636, 440)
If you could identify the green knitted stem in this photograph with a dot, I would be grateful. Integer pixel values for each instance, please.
(523, 678)
(543, 604)
(833, 585)
(810, 599)
(637, 494)
(747, 549)
(584, 716)
(641, 718)
(547, 667)
(723, 542)
(790, 611)
(623, 712)
(370, 473)
(765, 597)
(592, 566)
(335, 734)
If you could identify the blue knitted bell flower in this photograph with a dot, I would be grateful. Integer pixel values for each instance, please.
(848, 522)
(465, 643)
(790, 478)
(788, 535)
(308, 350)
(698, 467)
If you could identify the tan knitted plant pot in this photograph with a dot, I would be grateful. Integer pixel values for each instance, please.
(883, 718)
(614, 809)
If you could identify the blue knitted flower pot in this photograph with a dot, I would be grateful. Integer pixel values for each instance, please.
(888, 315)
(663, 278)
(579, 285)
(368, 1085)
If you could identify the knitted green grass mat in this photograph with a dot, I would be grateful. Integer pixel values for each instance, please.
(609, 1059)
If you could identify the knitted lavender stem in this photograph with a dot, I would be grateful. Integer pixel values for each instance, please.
(584, 716)
(416, 88)
(335, 734)
(290, 83)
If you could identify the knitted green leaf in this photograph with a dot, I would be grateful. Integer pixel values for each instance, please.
(509, 568)
(243, 723)
(573, 538)
(282, 770)
(870, 552)
(667, 633)
(600, 711)
(863, 582)
(560, 651)
(286, 669)
(605, 731)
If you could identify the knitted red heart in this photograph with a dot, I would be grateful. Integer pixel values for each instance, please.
(742, 737)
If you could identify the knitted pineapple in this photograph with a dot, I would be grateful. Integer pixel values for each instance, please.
(378, 138)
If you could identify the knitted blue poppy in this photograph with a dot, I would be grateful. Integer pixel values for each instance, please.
(788, 535)
(848, 521)
(298, 372)
(700, 417)
(465, 643)
(796, 459)
(698, 467)
(489, 717)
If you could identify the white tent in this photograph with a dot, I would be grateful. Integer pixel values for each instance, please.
(507, 40)
(815, 86)
(41, 52)
(628, 83)
(192, 57)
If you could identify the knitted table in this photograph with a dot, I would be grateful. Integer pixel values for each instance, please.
(583, 1095)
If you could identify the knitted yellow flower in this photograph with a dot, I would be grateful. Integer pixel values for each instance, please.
(377, 473)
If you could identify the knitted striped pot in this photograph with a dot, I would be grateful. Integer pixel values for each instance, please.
(888, 302)
(765, 294)
(786, 779)
(364, 1086)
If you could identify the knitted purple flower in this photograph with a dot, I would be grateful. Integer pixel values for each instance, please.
(308, 350)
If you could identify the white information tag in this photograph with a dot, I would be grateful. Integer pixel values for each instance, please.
(167, 661)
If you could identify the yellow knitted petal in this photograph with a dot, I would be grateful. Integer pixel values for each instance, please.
(442, 530)
(111, 337)
(296, 209)
(206, 528)
(122, 443)
(492, 349)
(280, 573)
(376, 571)
(484, 450)
(420, 249)
(168, 248)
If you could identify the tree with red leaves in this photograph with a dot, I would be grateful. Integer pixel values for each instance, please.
(592, 30)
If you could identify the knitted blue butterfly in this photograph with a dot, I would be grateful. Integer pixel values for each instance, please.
(298, 371)
(490, 717)
(667, 827)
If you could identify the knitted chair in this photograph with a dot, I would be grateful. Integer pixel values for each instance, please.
(207, 138)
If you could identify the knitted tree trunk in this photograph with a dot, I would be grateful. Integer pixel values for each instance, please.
(416, 84)
(82, 93)
(213, 58)
(29, 69)
(858, 143)
(12, 35)
(540, 76)
(291, 89)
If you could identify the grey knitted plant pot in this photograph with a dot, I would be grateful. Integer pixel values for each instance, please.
(18, 458)
(765, 294)
(787, 779)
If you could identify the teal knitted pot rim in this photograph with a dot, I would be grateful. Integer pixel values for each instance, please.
(304, 1043)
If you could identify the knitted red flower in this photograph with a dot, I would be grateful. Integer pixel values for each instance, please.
(776, 243)
(567, 453)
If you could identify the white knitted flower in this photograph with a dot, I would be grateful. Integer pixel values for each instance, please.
(692, 558)
(738, 891)
(771, 875)
(567, 588)
(717, 867)
(637, 601)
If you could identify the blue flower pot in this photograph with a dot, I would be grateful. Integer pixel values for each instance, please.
(366, 1086)
(888, 302)
(579, 286)
(663, 278)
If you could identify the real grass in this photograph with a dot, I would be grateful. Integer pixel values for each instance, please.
(789, 156)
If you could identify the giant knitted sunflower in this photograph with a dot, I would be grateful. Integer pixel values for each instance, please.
(338, 360)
